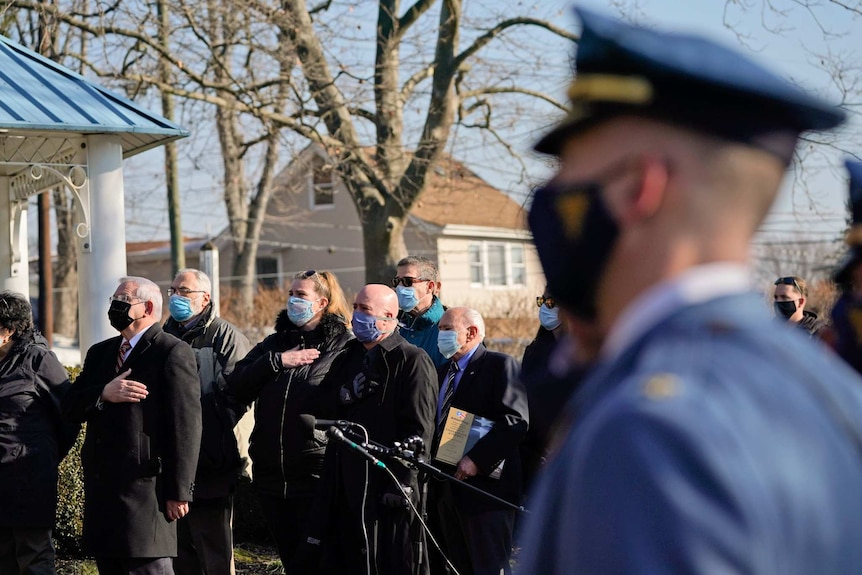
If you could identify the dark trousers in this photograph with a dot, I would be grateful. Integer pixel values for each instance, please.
(26, 551)
(476, 543)
(135, 566)
(393, 542)
(287, 521)
(205, 538)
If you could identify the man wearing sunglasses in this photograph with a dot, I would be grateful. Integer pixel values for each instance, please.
(789, 299)
(417, 285)
(703, 440)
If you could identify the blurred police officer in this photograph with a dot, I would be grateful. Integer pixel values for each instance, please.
(704, 440)
(789, 299)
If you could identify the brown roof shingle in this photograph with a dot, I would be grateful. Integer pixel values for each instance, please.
(456, 195)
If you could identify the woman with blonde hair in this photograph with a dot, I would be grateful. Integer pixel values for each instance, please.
(288, 374)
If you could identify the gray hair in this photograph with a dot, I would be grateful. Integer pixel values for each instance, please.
(146, 290)
(474, 318)
(426, 266)
(204, 283)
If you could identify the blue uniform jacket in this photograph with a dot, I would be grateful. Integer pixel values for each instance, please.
(716, 443)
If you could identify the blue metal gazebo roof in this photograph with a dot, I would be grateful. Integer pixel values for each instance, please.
(39, 95)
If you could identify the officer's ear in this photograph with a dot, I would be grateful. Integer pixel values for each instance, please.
(646, 195)
(801, 301)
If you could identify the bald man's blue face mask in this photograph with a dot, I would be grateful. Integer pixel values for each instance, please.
(574, 234)
(365, 326)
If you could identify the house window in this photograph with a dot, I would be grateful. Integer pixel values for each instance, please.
(321, 188)
(497, 264)
(267, 272)
(518, 265)
(476, 268)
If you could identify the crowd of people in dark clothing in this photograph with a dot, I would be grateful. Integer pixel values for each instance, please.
(329, 509)
(385, 438)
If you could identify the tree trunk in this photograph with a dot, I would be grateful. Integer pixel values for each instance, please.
(383, 241)
(65, 267)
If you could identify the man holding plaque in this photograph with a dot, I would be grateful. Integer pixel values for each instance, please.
(482, 417)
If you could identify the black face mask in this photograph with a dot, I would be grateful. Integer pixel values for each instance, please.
(785, 309)
(118, 315)
(574, 235)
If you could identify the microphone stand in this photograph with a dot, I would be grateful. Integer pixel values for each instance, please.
(413, 457)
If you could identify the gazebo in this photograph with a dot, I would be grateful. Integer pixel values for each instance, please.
(56, 128)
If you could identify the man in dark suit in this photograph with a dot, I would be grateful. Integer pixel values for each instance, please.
(140, 396)
(477, 531)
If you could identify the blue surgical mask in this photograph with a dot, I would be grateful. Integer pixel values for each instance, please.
(549, 317)
(447, 343)
(180, 307)
(407, 299)
(299, 311)
(365, 326)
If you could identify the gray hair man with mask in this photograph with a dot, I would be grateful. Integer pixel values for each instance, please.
(140, 396)
(205, 537)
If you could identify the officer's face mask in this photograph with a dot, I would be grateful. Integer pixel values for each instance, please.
(785, 309)
(574, 234)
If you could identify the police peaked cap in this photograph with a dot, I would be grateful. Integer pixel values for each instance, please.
(685, 80)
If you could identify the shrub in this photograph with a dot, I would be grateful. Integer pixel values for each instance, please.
(70, 495)
(70, 502)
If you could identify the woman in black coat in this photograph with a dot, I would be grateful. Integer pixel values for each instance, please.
(288, 375)
(33, 440)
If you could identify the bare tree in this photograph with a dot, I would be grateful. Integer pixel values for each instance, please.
(283, 71)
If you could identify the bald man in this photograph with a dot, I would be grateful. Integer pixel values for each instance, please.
(478, 531)
(391, 391)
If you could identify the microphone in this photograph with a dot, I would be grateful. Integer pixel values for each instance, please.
(310, 422)
(336, 434)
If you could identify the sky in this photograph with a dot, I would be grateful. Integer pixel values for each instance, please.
(792, 42)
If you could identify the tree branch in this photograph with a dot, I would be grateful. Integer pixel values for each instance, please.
(492, 33)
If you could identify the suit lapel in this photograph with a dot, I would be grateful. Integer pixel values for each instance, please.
(141, 347)
(471, 368)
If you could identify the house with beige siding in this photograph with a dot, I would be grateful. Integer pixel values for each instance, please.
(476, 233)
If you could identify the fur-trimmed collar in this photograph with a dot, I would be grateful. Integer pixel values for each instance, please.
(330, 327)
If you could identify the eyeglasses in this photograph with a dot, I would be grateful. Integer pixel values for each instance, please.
(407, 281)
(307, 274)
(125, 299)
(549, 301)
(183, 291)
(788, 281)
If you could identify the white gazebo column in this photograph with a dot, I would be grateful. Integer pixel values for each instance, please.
(14, 272)
(103, 261)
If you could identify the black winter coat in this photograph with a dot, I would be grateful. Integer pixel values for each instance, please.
(286, 451)
(33, 438)
(218, 346)
(404, 405)
(137, 456)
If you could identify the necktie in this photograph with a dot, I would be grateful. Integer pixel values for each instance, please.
(447, 402)
(121, 354)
